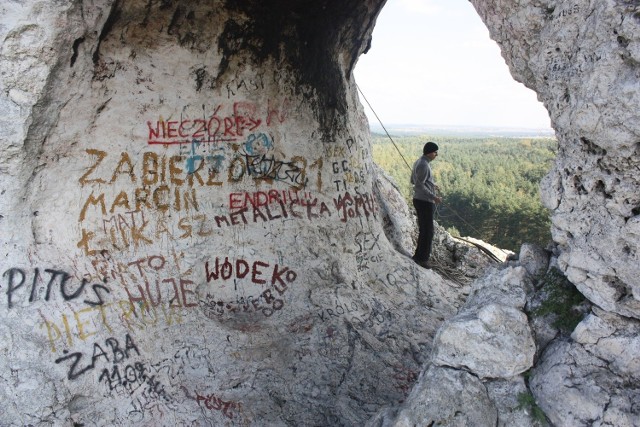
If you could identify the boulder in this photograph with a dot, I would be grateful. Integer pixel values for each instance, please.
(494, 342)
(612, 338)
(574, 387)
(461, 399)
(490, 336)
(534, 259)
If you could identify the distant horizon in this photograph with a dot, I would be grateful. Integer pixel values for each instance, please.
(463, 130)
(460, 126)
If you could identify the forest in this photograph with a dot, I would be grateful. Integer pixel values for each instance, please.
(489, 185)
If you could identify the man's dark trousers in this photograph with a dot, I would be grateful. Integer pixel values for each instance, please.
(424, 211)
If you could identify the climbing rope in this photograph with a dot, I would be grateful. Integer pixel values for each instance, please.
(479, 246)
(385, 129)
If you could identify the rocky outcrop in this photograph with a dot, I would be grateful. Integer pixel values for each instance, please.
(479, 356)
(595, 373)
(461, 399)
(582, 59)
(490, 335)
(474, 374)
(193, 230)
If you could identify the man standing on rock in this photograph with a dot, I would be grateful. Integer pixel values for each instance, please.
(424, 200)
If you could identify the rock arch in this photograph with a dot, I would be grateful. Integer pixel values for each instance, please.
(192, 224)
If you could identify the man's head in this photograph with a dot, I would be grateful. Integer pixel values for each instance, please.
(430, 150)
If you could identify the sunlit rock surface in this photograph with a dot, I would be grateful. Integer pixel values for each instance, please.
(583, 60)
(575, 387)
(474, 374)
(490, 336)
(193, 230)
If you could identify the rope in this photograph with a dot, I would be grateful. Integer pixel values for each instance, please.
(482, 248)
(450, 273)
(385, 129)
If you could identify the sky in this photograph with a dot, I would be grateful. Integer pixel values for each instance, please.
(432, 62)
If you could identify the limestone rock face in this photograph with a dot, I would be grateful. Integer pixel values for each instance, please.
(190, 230)
(534, 259)
(473, 377)
(614, 339)
(450, 397)
(490, 336)
(583, 60)
(399, 224)
(588, 379)
(575, 387)
(495, 342)
(461, 400)
(193, 230)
